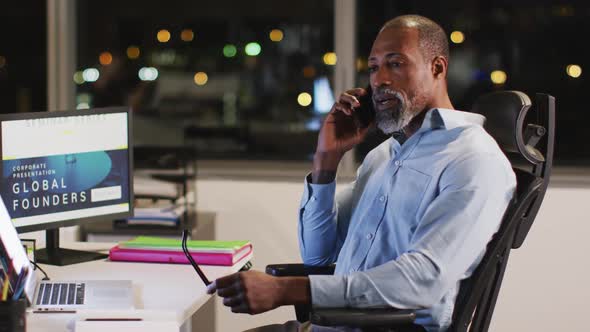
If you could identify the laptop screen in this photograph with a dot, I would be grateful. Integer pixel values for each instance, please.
(12, 252)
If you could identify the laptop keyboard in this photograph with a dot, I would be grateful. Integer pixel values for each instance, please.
(60, 293)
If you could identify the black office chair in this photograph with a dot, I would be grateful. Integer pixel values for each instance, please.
(529, 147)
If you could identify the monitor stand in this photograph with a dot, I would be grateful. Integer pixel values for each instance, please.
(54, 255)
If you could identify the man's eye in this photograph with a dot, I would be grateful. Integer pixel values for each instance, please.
(372, 69)
(395, 64)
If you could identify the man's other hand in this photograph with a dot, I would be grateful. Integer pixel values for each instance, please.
(255, 292)
(251, 292)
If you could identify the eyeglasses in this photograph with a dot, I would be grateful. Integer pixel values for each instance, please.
(191, 260)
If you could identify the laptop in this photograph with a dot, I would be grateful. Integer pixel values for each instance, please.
(59, 295)
(62, 295)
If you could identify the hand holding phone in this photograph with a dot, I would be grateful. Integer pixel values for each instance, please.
(344, 127)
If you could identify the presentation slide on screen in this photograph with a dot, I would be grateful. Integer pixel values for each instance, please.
(65, 168)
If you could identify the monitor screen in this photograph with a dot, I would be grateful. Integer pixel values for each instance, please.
(62, 168)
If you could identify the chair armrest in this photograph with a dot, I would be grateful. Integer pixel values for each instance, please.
(354, 317)
(298, 270)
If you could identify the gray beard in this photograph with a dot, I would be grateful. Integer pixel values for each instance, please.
(392, 120)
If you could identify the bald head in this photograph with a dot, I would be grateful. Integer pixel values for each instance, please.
(432, 38)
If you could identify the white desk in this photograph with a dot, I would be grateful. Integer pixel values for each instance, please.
(173, 290)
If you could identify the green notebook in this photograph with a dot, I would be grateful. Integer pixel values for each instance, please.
(158, 243)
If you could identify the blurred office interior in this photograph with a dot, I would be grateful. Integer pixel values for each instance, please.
(250, 80)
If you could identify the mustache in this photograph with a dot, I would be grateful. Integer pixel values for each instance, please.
(382, 93)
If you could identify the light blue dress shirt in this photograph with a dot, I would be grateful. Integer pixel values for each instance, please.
(414, 223)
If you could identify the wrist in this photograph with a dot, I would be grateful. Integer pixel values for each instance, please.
(294, 290)
(326, 161)
(325, 165)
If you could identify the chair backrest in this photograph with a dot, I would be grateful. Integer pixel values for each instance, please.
(528, 144)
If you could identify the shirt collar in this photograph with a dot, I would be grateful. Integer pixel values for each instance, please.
(450, 119)
(443, 118)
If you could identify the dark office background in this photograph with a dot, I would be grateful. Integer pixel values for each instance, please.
(248, 108)
(23, 61)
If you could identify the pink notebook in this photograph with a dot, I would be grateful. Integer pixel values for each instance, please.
(178, 257)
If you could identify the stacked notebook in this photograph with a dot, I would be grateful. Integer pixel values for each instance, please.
(157, 216)
(165, 250)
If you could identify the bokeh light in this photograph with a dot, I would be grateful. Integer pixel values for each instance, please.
(330, 58)
(163, 36)
(457, 37)
(309, 71)
(229, 51)
(148, 74)
(187, 35)
(133, 52)
(79, 78)
(304, 99)
(361, 64)
(201, 78)
(90, 74)
(105, 58)
(574, 71)
(82, 106)
(253, 49)
(498, 77)
(276, 35)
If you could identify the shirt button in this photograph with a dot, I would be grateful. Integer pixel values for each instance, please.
(369, 236)
(382, 199)
(398, 163)
(313, 199)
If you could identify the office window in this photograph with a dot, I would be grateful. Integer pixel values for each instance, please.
(236, 79)
(527, 46)
(23, 49)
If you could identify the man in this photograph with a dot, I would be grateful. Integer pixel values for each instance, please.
(424, 204)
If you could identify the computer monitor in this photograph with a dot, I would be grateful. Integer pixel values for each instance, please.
(66, 168)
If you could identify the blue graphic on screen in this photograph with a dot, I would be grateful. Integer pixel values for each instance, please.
(42, 185)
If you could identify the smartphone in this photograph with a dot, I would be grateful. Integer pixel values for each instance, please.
(365, 114)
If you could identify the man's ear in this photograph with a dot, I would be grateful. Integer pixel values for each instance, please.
(439, 67)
